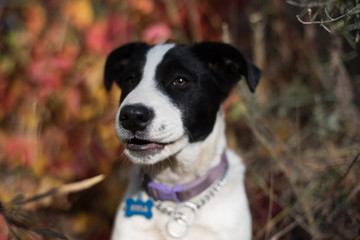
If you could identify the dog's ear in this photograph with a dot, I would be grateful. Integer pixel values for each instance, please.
(229, 63)
(118, 60)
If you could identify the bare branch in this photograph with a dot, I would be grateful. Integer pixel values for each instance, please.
(307, 4)
(351, 11)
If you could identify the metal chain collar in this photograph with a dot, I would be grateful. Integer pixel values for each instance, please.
(178, 226)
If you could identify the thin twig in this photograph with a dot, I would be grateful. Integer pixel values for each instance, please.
(271, 204)
(66, 189)
(348, 169)
(284, 231)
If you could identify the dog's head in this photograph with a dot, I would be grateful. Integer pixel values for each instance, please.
(171, 93)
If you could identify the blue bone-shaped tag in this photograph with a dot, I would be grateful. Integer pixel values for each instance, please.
(139, 207)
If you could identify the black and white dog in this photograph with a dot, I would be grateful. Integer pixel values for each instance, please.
(185, 183)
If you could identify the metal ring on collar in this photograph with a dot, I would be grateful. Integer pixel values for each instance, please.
(181, 219)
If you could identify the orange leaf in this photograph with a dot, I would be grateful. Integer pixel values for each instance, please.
(143, 6)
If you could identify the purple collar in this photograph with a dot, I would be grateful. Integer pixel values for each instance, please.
(181, 193)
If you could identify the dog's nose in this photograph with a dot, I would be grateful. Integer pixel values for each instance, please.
(135, 117)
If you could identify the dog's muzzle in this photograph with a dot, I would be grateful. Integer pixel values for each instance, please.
(135, 119)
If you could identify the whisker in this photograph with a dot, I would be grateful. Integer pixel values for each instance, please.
(126, 159)
(168, 159)
(189, 134)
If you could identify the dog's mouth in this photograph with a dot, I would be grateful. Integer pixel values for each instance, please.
(140, 145)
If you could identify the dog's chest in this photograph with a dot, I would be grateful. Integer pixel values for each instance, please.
(225, 216)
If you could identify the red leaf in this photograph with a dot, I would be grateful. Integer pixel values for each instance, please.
(73, 100)
(95, 38)
(157, 33)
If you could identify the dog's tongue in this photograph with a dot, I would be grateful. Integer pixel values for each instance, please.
(140, 145)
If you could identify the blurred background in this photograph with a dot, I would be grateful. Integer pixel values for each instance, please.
(299, 134)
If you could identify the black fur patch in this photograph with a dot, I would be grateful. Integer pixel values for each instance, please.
(211, 70)
(125, 66)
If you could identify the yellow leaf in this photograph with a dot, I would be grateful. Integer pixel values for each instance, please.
(79, 12)
(80, 223)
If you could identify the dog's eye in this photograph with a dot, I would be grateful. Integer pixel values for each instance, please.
(131, 81)
(180, 81)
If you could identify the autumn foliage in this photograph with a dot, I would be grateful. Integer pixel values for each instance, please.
(299, 134)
